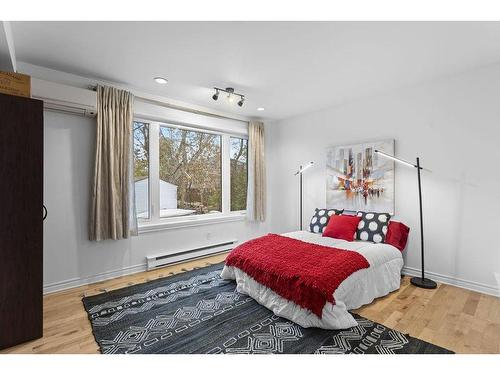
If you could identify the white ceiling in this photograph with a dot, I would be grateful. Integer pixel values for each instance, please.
(287, 67)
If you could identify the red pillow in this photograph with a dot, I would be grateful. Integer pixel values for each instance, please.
(342, 227)
(397, 234)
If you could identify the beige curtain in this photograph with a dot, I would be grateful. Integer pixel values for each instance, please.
(112, 209)
(256, 196)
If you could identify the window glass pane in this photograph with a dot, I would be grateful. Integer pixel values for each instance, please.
(190, 172)
(141, 169)
(239, 173)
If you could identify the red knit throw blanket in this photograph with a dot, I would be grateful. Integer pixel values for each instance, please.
(302, 272)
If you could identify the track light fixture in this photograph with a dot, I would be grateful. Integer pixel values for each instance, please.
(230, 95)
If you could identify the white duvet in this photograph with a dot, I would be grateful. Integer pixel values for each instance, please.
(362, 287)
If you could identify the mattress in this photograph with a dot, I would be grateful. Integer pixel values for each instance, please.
(362, 287)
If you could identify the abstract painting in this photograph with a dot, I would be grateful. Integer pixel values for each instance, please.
(359, 179)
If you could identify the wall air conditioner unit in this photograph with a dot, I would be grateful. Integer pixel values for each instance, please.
(64, 98)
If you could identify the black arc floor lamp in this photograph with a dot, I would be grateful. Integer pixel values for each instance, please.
(421, 282)
(300, 172)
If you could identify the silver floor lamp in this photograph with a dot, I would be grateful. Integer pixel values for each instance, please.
(421, 282)
(300, 172)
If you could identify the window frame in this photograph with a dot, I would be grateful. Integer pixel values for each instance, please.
(155, 222)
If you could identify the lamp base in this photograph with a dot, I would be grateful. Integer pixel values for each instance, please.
(423, 283)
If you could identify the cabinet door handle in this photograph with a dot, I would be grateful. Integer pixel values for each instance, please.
(44, 212)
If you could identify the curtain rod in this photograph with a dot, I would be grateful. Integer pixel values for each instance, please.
(180, 108)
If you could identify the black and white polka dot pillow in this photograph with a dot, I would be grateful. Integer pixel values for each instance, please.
(372, 226)
(320, 219)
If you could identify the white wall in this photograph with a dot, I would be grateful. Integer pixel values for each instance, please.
(453, 124)
(69, 257)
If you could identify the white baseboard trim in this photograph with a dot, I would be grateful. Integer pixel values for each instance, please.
(409, 271)
(466, 284)
(80, 281)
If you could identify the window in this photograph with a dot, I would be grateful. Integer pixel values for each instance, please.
(186, 172)
(141, 169)
(190, 172)
(239, 173)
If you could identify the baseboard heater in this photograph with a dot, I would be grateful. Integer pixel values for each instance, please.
(162, 260)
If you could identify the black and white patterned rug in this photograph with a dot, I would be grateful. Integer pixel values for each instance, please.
(198, 312)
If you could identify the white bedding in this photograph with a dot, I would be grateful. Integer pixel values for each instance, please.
(362, 287)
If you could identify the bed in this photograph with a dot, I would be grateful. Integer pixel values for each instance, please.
(381, 276)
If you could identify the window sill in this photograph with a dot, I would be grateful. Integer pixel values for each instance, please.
(193, 221)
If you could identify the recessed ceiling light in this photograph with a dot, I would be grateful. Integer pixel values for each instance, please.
(160, 80)
(260, 109)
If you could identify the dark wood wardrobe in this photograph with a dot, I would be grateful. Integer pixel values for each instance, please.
(21, 219)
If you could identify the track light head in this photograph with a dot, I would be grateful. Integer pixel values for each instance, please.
(242, 100)
(230, 94)
(216, 95)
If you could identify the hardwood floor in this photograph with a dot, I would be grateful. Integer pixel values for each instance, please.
(455, 318)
